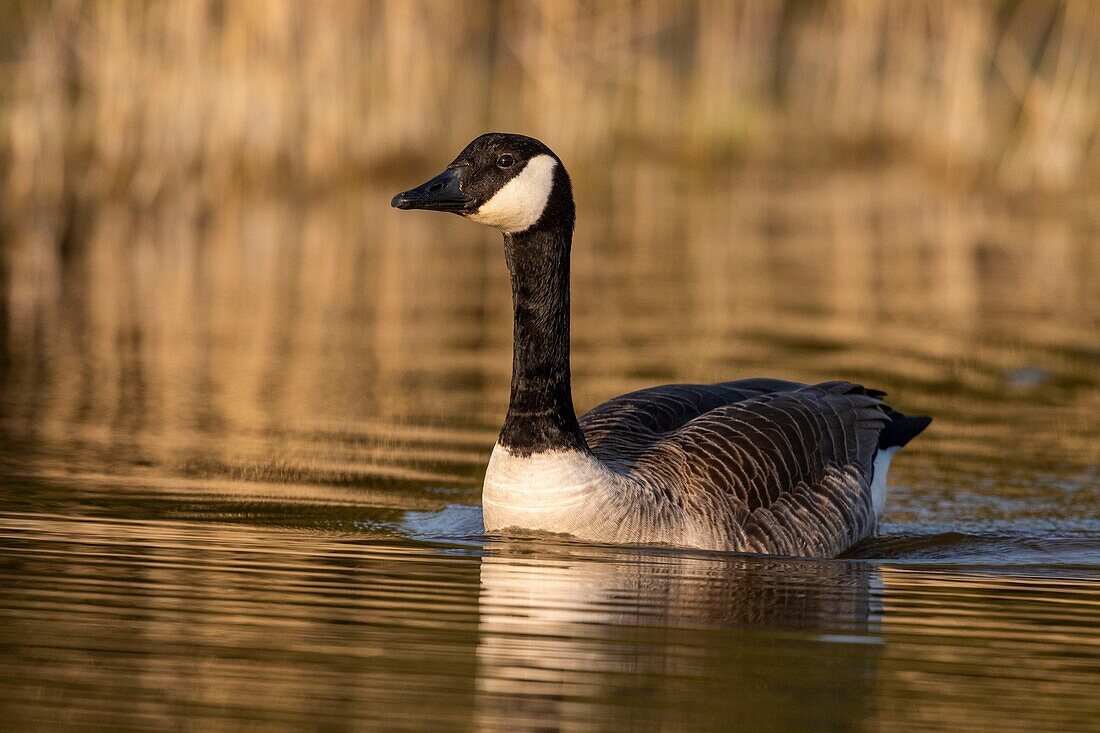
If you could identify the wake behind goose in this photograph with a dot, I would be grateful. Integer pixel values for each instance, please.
(753, 465)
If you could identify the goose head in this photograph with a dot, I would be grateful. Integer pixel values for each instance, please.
(511, 182)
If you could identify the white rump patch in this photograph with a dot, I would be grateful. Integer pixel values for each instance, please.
(878, 482)
(521, 201)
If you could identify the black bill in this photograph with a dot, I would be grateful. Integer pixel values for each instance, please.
(442, 193)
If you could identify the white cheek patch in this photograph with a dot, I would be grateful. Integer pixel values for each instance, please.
(521, 201)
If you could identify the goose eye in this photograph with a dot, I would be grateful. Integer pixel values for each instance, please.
(505, 161)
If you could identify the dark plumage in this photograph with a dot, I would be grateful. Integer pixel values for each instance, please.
(795, 460)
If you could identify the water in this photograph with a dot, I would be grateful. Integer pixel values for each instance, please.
(241, 444)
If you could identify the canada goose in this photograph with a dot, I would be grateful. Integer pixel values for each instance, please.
(752, 465)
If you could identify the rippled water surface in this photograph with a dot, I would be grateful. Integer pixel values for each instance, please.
(241, 446)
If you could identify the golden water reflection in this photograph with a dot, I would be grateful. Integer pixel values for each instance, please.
(330, 340)
(151, 623)
(795, 643)
(241, 450)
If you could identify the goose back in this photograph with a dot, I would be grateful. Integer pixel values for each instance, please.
(789, 466)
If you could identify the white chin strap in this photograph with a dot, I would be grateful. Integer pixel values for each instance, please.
(521, 201)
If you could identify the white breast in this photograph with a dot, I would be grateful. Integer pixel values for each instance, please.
(569, 492)
(521, 201)
(553, 491)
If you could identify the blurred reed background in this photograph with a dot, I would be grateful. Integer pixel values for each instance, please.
(140, 98)
(199, 268)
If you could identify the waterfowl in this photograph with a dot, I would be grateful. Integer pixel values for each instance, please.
(753, 465)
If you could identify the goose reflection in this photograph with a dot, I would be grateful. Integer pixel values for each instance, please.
(569, 635)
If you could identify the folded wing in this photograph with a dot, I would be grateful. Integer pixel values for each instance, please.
(791, 463)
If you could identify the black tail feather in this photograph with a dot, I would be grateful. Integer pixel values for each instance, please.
(901, 429)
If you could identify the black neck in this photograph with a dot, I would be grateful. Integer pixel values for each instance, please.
(540, 410)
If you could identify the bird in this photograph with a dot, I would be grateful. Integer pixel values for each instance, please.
(755, 465)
